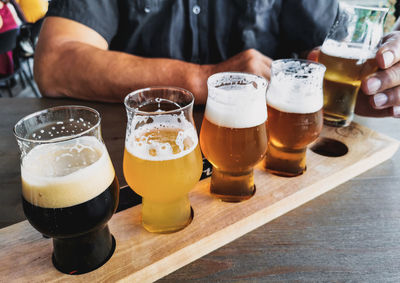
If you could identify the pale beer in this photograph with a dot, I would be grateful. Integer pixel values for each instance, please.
(348, 53)
(162, 163)
(346, 67)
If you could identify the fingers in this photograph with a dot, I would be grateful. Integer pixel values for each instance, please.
(388, 54)
(382, 80)
(364, 107)
(382, 88)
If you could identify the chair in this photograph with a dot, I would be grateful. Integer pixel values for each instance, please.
(25, 45)
(8, 42)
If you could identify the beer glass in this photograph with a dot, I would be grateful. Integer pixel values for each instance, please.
(69, 187)
(162, 158)
(348, 53)
(294, 103)
(233, 136)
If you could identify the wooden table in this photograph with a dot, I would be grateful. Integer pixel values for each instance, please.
(351, 233)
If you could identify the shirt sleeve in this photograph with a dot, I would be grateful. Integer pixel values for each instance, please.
(99, 15)
(305, 23)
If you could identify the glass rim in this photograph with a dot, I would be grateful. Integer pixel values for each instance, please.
(221, 74)
(321, 66)
(60, 139)
(365, 7)
(148, 89)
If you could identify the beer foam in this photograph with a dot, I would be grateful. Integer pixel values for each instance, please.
(147, 143)
(237, 106)
(66, 173)
(353, 51)
(296, 86)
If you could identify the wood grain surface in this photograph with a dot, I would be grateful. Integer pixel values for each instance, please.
(27, 255)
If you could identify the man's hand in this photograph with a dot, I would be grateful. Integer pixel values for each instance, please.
(248, 61)
(380, 95)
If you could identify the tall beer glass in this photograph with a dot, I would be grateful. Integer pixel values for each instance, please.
(348, 53)
(162, 158)
(233, 136)
(69, 187)
(294, 102)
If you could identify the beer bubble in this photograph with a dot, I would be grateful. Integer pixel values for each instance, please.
(163, 139)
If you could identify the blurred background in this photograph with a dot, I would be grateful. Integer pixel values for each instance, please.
(27, 16)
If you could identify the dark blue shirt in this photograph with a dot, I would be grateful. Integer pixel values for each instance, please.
(204, 31)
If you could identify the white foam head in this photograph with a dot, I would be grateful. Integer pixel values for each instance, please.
(149, 141)
(66, 173)
(355, 51)
(236, 100)
(296, 86)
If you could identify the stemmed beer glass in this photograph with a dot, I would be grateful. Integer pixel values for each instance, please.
(69, 187)
(162, 159)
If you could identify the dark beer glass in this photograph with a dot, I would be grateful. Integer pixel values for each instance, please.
(69, 187)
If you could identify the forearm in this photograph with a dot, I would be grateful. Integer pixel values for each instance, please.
(82, 71)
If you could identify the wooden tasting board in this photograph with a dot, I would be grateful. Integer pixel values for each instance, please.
(142, 257)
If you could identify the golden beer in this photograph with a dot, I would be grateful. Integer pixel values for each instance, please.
(162, 159)
(289, 134)
(345, 68)
(233, 150)
(164, 183)
(294, 103)
(233, 136)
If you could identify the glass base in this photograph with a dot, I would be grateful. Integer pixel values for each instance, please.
(232, 187)
(285, 162)
(336, 121)
(84, 253)
(166, 217)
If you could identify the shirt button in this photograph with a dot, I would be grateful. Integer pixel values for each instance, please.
(196, 9)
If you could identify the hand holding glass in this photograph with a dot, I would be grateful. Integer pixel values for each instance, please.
(348, 53)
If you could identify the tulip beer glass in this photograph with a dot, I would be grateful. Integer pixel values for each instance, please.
(294, 103)
(162, 158)
(348, 53)
(69, 187)
(233, 136)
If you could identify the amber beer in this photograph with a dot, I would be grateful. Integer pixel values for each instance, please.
(162, 163)
(346, 66)
(294, 103)
(233, 135)
(289, 134)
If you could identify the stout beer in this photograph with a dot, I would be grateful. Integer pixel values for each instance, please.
(69, 187)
